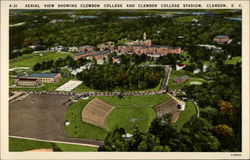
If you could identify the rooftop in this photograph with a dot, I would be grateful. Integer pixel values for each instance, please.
(43, 75)
(221, 36)
(180, 78)
(82, 53)
(101, 52)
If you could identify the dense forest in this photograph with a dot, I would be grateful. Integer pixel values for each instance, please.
(48, 30)
(110, 77)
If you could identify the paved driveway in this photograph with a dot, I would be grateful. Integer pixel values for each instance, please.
(41, 117)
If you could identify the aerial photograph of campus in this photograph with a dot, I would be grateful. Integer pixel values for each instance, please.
(125, 80)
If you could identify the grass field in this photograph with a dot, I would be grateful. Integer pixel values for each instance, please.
(234, 60)
(186, 19)
(189, 111)
(143, 100)
(46, 87)
(128, 117)
(174, 74)
(29, 60)
(137, 107)
(17, 144)
(83, 88)
(77, 127)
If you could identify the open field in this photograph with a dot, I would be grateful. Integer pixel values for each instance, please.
(185, 115)
(143, 100)
(77, 127)
(234, 60)
(29, 60)
(83, 88)
(174, 74)
(128, 117)
(186, 19)
(18, 144)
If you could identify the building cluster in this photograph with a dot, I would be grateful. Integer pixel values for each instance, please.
(135, 47)
(36, 79)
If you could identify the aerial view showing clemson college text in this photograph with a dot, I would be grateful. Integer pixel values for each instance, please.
(125, 80)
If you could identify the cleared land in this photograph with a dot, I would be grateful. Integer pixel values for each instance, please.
(30, 60)
(18, 144)
(233, 60)
(168, 107)
(41, 117)
(69, 85)
(96, 112)
(129, 117)
(190, 110)
(192, 78)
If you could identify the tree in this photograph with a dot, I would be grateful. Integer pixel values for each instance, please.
(223, 131)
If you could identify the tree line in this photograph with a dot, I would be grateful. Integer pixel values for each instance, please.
(114, 76)
(197, 135)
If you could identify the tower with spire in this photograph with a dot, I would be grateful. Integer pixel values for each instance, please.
(144, 36)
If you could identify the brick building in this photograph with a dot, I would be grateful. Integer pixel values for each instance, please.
(45, 77)
(100, 55)
(145, 47)
(221, 38)
(84, 54)
(26, 82)
(182, 79)
(86, 48)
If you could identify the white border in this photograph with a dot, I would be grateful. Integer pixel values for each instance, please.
(123, 155)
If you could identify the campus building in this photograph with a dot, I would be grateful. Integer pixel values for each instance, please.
(182, 79)
(145, 46)
(86, 48)
(100, 55)
(221, 39)
(45, 77)
(27, 82)
(84, 54)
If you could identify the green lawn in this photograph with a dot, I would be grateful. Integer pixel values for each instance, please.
(77, 127)
(174, 74)
(29, 60)
(17, 144)
(142, 100)
(128, 117)
(186, 19)
(83, 88)
(233, 60)
(46, 87)
(185, 115)
(139, 107)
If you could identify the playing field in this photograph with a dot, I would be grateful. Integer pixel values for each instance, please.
(30, 60)
(132, 110)
(129, 117)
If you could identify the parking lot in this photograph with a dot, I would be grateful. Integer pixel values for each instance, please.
(41, 117)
